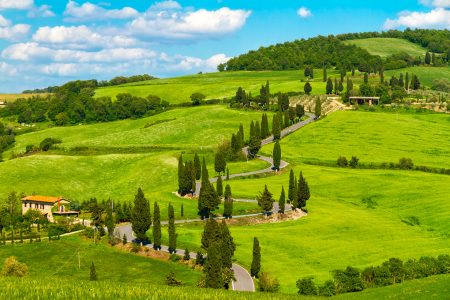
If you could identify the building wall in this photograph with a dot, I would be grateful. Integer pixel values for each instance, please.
(44, 208)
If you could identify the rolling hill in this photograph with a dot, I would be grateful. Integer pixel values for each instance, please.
(385, 47)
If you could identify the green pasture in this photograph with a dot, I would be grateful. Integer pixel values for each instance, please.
(385, 47)
(217, 85)
(425, 74)
(372, 137)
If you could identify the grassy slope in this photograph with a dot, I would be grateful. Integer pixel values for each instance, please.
(426, 74)
(12, 97)
(372, 137)
(60, 259)
(217, 85)
(385, 47)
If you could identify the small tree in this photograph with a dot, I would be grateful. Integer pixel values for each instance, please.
(197, 98)
(171, 230)
(219, 186)
(354, 162)
(318, 107)
(171, 280)
(303, 191)
(276, 127)
(141, 216)
(427, 58)
(213, 267)
(219, 163)
(307, 88)
(268, 284)
(276, 156)
(329, 87)
(186, 255)
(282, 201)
(306, 286)
(93, 273)
(197, 167)
(342, 162)
(405, 163)
(291, 192)
(256, 260)
(228, 203)
(156, 227)
(265, 201)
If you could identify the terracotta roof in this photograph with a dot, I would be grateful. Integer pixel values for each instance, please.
(41, 199)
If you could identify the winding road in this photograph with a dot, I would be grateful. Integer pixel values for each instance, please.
(243, 282)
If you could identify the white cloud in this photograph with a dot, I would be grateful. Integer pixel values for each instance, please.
(436, 18)
(303, 12)
(166, 5)
(188, 24)
(41, 11)
(14, 32)
(436, 3)
(4, 22)
(187, 63)
(92, 12)
(7, 69)
(16, 4)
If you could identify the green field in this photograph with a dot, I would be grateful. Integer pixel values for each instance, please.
(426, 74)
(385, 47)
(217, 85)
(12, 97)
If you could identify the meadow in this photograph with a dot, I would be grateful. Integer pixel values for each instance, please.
(12, 97)
(385, 47)
(426, 74)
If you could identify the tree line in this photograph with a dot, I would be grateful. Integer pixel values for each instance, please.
(7, 138)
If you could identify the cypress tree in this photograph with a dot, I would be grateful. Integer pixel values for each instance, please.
(213, 267)
(400, 80)
(265, 200)
(252, 129)
(407, 81)
(211, 234)
(234, 143)
(228, 247)
(256, 260)
(253, 146)
(228, 203)
(286, 119)
(197, 167)
(182, 210)
(141, 218)
(228, 174)
(266, 126)
(324, 72)
(187, 255)
(205, 175)
(241, 135)
(257, 130)
(276, 156)
(264, 133)
(295, 202)
(307, 88)
(276, 127)
(381, 75)
(93, 273)
(303, 191)
(180, 174)
(219, 163)
(340, 87)
(336, 86)
(329, 87)
(433, 58)
(282, 201)
(366, 78)
(219, 186)
(156, 227)
(110, 221)
(318, 107)
(291, 192)
(171, 229)
(427, 58)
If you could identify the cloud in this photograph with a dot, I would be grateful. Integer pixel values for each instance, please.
(14, 32)
(16, 4)
(7, 69)
(303, 12)
(436, 18)
(436, 3)
(92, 12)
(41, 11)
(80, 37)
(4, 22)
(166, 5)
(188, 24)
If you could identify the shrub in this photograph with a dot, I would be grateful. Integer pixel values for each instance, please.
(328, 289)
(174, 258)
(268, 283)
(348, 280)
(48, 143)
(186, 256)
(405, 163)
(171, 280)
(444, 263)
(135, 247)
(342, 162)
(396, 269)
(354, 162)
(13, 267)
(306, 286)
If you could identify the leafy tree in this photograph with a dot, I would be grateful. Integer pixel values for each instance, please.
(307, 88)
(265, 200)
(171, 230)
(156, 227)
(186, 255)
(219, 186)
(299, 111)
(93, 273)
(141, 216)
(256, 260)
(303, 193)
(354, 162)
(348, 280)
(213, 267)
(197, 167)
(219, 163)
(228, 203)
(276, 127)
(276, 156)
(268, 284)
(318, 107)
(306, 286)
(342, 162)
(427, 58)
(227, 245)
(197, 98)
(282, 201)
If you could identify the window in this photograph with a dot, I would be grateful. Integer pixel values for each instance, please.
(25, 204)
(36, 206)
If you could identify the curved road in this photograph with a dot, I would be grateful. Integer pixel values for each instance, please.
(243, 282)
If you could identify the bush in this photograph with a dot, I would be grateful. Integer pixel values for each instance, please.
(348, 280)
(267, 283)
(13, 267)
(174, 258)
(171, 280)
(48, 143)
(342, 162)
(354, 162)
(135, 247)
(405, 163)
(328, 289)
(306, 286)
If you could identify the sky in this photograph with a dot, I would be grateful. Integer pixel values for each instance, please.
(49, 42)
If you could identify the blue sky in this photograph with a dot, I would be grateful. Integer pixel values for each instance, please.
(49, 42)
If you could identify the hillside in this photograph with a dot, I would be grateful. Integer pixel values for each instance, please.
(385, 47)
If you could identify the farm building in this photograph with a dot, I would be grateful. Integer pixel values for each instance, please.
(48, 206)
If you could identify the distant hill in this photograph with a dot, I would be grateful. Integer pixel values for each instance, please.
(385, 47)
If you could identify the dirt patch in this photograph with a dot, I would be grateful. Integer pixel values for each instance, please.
(274, 218)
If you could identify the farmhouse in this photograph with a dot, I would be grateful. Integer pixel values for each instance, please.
(48, 206)
(364, 100)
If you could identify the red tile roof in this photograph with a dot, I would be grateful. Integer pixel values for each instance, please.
(41, 199)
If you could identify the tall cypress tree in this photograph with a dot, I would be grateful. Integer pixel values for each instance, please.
(295, 201)
(219, 163)
(205, 175)
(256, 260)
(366, 78)
(257, 129)
(228, 203)
(276, 156)
(211, 234)
(302, 192)
(156, 227)
(180, 174)
(265, 126)
(318, 107)
(219, 186)
(93, 273)
(276, 127)
(407, 81)
(228, 247)
(427, 58)
(329, 87)
(141, 218)
(282, 201)
(241, 136)
(381, 75)
(291, 192)
(252, 130)
(213, 267)
(198, 167)
(336, 86)
(265, 200)
(171, 229)
(286, 119)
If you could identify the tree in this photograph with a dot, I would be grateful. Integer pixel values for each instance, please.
(336, 87)
(171, 280)
(342, 162)
(110, 221)
(306, 286)
(219, 186)
(433, 58)
(268, 284)
(302, 191)
(197, 167)
(276, 156)
(253, 146)
(340, 87)
(287, 119)
(180, 174)
(256, 260)
(354, 162)
(366, 78)
(156, 227)
(307, 88)
(172, 233)
(427, 58)
(264, 126)
(211, 234)
(299, 111)
(415, 83)
(291, 192)
(407, 81)
(257, 130)
(228, 203)
(186, 255)
(227, 245)
(329, 87)
(124, 239)
(324, 72)
(219, 163)
(282, 201)
(208, 200)
(381, 75)
(265, 201)
(213, 267)
(276, 127)
(197, 98)
(141, 216)
(318, 107)
(283, 101)
(93, 273)
(241, 136)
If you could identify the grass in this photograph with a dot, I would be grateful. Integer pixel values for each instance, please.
(385, 47)
(426, 75)
(59, 259)
(372, 137)
(12, 97)
(217, 85)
